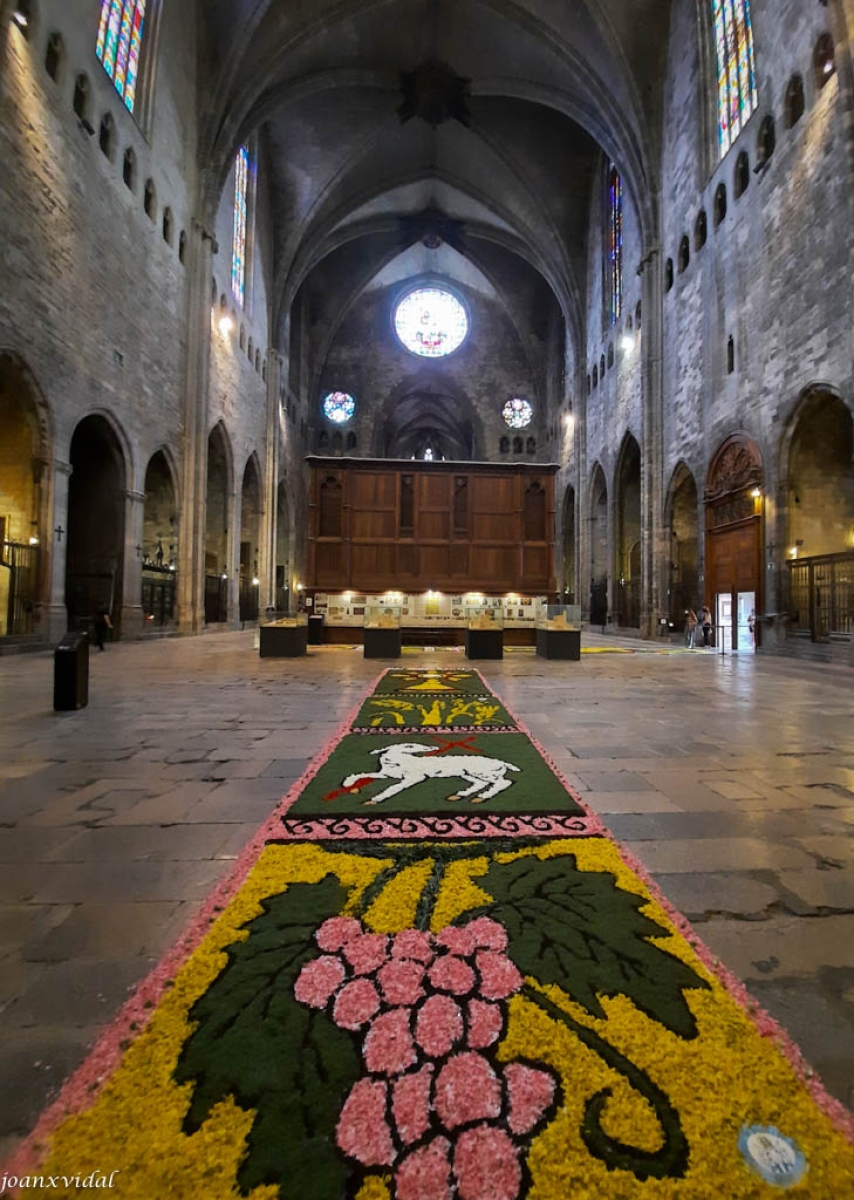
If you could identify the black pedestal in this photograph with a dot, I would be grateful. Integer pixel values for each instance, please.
(71, 673)
(315, 631)
(484, 643)
(382, 643)
(283, 641)
(559, 643)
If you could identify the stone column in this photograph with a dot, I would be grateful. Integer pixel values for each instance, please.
(267, 554)
(232, 551)
(132, 617)
(191, 542)
(654, 547)
(52, 615)
(582, 493)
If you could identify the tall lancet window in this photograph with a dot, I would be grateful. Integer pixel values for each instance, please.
(238, 252)
(120, 44)
(615, 244)
(737, 95)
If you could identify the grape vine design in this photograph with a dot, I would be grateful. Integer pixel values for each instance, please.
(361, 1052)
(434, 1103)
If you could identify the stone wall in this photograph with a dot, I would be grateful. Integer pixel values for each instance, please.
(93, 297)
(774, 275)
(490, 368)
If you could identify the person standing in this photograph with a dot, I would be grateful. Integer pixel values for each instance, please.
(690, 628)
(706, 622)
(102, 625)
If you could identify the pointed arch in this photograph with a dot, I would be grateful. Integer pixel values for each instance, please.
(599, 574)
(160, 540)
(25, 487)
(735, 535)
(218, 506)
(627, 533)
(681, 519)
(569, 563)
(101, 469)
(251, 507)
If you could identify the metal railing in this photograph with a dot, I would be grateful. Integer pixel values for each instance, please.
(19, 565)
(158, 595)
(821, 596)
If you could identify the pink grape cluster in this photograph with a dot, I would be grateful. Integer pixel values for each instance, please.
(435, 1104)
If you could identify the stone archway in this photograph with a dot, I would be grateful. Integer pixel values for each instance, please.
(598, 548)
(94, 568)
(428, 412)
(283, 549)
(819, 518)
(683, 524)
(734, 536)
(159, 543)
(250, 540)
(217, 508)
(23, 517)
(627, 550)
(569, 588)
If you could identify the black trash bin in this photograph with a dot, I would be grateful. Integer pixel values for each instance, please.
(71, 673)
(315, 630)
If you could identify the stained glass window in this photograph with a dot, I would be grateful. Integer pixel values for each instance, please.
(615, 243)
(431, 322)
(120, 43)
(737, 95)
(339, 407)
(238, 251)
(517, 413)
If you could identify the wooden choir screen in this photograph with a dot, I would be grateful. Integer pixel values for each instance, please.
(376, 525)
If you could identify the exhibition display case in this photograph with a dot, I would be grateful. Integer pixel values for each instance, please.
(382, 637)
(484, 631)
(286, 637)
(559, 631)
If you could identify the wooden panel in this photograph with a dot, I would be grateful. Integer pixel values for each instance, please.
(370, 489)
(379, 523)
(493, 493)
(407, 562)
(495, 568)
(373, 566)
(496, 527)
(420, 525)
(434, 491)
(434, 525)
(460, 561)
(734, 560)
(330, 564)
(433, 564)
(535, 562)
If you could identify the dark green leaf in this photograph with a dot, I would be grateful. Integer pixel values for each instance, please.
(578, 930)
(257, 1043)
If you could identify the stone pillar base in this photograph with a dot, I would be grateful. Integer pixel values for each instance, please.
(51, 621)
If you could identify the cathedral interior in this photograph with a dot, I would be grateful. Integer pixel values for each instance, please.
(250, 247)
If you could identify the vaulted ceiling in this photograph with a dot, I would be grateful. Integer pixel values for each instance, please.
(393, 127)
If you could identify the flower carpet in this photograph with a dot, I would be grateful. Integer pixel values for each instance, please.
(433, 975)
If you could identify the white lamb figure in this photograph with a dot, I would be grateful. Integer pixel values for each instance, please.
(411, 762)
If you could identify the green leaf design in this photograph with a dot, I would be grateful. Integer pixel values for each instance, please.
(578, 930)
(257, 1043)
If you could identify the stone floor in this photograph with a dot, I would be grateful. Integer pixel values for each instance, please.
(731, 779)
